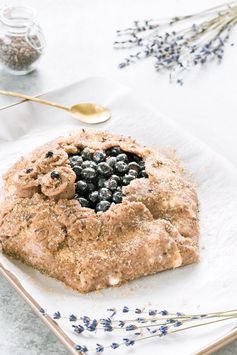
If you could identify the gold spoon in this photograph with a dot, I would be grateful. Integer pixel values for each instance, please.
(84, 112)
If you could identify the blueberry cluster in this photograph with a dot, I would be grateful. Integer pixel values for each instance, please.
(102, 174)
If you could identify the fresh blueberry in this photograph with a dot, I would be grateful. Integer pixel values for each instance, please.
(101, 181)
(55, 175)
(93, 196)
(89, 164)
(104, 194)
(143, 174)
(88, 173)
(49, 154)
(83, 201)
(111, 161)
(134, 166)
(133, 173)
(116, 178)
(111, 184)
(119, 188)
(127, 179)
(102, 206)
(136, 159)
(121, 167)
(98, 157)
(91, 187)
(75, 160)
(114, 151)
(117, 197)
(77, 170)
(122, 157)
(86, 154)
(81, 187)
(104, 169)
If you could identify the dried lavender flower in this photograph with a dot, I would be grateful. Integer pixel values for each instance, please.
(78, 328)
(42, 311)
(99, 348)
(153, 326)
(57, 315)
(138, 310)
(125, 309)
(180, 43)
(72, 318)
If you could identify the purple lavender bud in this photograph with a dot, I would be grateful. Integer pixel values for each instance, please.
(141, 320)
(42, 311)
(77, 347)
(164, 313)
(114, 345)
(78, 328)
(180, 82)
(86, 320)
(92, 327)
(122, 65)
(152, 331)
(179, 314)
(57, 315)
(138, 310)
(99, 348)
(121, 324)
(170, 321)
(72, 318)
(84, 349)
(130, 327)
(105, 321)
(128, 342)
(108, 328)
(163, 329)
(152, 312)
(94, 323)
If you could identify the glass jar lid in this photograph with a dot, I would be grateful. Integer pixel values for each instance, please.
(17, 18)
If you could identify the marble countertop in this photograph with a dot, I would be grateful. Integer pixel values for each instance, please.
(79, 44)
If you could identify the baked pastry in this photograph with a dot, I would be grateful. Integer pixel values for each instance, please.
(95, 210)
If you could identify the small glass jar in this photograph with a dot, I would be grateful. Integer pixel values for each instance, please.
(22, 42)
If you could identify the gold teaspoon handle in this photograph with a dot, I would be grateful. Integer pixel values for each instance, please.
(35, 99)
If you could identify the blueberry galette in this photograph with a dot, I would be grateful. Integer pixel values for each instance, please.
(95, 210)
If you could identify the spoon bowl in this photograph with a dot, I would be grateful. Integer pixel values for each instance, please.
(90, 113)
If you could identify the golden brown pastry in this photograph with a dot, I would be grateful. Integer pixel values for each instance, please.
(95, 210)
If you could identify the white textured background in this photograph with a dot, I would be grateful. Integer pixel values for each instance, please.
(79, 35)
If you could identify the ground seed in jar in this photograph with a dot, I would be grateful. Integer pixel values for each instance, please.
(17, 54)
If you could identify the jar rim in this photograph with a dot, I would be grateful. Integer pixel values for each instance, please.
(17, 16)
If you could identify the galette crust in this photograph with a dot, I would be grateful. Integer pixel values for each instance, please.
(155, 228)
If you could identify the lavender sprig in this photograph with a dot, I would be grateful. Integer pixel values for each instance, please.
(146, 324)
(180, 43)
(162, 331)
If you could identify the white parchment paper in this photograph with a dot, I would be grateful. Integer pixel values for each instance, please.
(208, 286)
